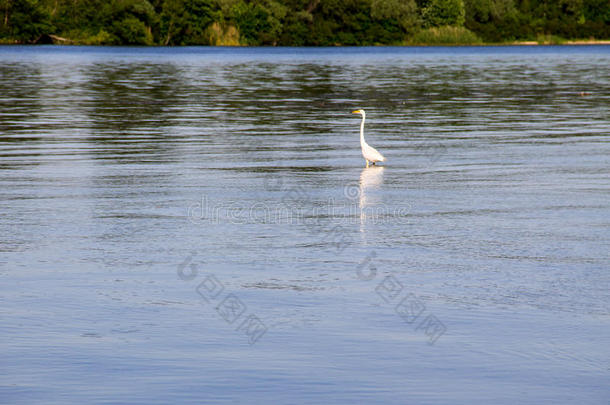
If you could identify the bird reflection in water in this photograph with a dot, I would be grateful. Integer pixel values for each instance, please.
(371, 178)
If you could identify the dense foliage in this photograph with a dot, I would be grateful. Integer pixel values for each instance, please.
(298, 22)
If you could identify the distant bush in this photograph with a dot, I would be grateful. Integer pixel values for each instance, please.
(438, 13)
(446, 35)
(222, 35)
(86, 37)
(132, 31)
(549, 40)
(101, 38)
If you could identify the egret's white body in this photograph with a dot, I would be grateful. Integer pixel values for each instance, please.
(370, 154)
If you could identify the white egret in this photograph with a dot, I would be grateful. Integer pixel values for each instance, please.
(369, 153)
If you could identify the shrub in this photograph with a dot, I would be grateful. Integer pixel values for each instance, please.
(439, 13)
(446, 35)
(132, 31)
(222, 35)
(549, 40)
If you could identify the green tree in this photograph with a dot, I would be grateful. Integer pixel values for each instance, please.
(129, 21)
(296, 29)
(184, 22)
(494, 20)
(297, 24)
(596, 18)
(77, 17)
(403, 12)
(361, 22)
(438, 13)
(259, 22)
(131, 31)
(24, 20)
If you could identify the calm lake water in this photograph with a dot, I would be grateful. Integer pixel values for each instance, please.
(196, 225)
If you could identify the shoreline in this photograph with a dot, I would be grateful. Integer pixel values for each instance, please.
(572, 42)
(566, 42)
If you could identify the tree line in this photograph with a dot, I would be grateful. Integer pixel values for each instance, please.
(299, 22)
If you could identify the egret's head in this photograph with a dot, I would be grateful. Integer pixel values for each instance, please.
(361, 112)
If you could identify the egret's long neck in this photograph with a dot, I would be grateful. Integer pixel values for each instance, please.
(362, 142)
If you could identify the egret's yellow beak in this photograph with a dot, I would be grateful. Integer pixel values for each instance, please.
(356, 112)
